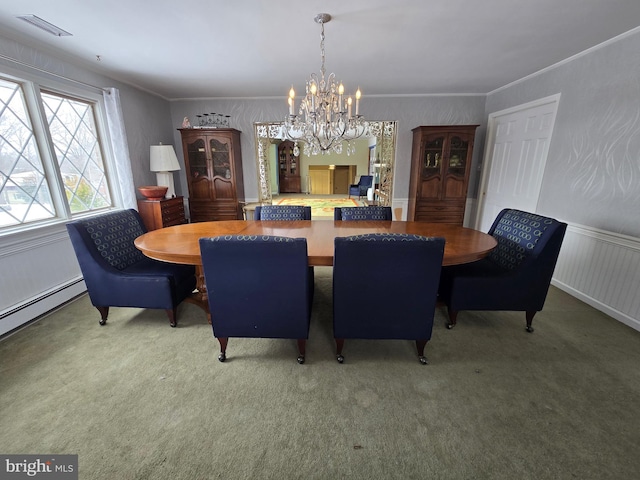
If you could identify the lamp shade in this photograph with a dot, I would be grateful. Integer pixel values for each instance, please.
(163, 158)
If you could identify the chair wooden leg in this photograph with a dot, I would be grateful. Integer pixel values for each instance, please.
(223, 348)
(453, 318)
(104, 313)
(420, 344)
(302, 346)
(530, 314)
(172, 313)
(339, 346)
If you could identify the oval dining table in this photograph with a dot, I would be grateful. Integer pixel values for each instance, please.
(180, 243)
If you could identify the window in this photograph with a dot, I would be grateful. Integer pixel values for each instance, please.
(50, 166)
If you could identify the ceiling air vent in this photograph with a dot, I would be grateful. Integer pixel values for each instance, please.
(44, 25)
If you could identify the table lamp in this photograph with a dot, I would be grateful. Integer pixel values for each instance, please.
(164, 162)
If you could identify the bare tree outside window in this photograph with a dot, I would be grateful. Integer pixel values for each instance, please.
(25, 191)
(73, 132)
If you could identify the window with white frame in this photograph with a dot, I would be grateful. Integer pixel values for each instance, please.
(51, 156)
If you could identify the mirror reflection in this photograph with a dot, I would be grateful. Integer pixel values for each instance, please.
(282, 173)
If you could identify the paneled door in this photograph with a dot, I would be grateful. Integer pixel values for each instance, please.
(517, 146)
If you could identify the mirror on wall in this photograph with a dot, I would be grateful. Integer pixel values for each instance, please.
(378, 152)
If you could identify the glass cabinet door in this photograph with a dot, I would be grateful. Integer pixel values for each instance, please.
(432, 156)
(458, 149)
(197, 159)
(220, 158)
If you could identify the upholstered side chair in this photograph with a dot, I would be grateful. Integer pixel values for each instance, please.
(407, 308)
(282, 212)
(370, 212)
(360, 188)
(517, 273)
(117, 274)
(259, 287)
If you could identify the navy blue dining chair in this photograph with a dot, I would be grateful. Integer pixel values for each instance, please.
(117, 274)
(515, 276)
(406, 307)
(282, 212)
(371, 212)
(258, 287)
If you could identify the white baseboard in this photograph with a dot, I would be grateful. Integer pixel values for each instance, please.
(35, 307)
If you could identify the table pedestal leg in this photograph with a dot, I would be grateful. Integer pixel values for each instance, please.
(199, 296)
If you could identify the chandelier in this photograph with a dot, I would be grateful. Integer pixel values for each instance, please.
(325, 119)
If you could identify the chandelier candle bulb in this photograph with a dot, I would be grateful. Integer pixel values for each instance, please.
(349, 107)
(358, 95)
(313, 90)
(292, 105)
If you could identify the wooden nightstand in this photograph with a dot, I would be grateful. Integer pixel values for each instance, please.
(162, 213)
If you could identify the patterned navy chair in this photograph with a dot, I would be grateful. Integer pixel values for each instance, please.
(516, 274)
(258, 287)
(282, 212)
(360, 188)
(406, 309)
(362, 213)
(117, 274)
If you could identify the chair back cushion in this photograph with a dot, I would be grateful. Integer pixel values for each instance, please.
(258, 286)
(370, 212)
(365, 181)
(406, 306)
(112, 236)
(520, 236)
(282, 212)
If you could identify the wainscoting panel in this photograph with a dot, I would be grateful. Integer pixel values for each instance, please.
(603, 270)
(38, 273)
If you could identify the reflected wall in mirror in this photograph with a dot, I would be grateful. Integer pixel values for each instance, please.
(381, 164)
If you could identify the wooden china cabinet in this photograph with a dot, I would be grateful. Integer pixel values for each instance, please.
(213, 164)
(440, 167)
(288, 168)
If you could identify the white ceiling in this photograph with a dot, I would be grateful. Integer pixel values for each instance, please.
(258, 48)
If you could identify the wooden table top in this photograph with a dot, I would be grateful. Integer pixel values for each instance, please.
(179, 244)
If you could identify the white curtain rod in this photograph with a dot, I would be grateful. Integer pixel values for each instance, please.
(18, 62)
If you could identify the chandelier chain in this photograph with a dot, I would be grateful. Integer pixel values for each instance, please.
(322, 69)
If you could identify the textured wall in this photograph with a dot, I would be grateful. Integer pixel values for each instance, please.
(592, 176)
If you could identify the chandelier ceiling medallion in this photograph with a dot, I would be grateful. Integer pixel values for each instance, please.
(326, 117)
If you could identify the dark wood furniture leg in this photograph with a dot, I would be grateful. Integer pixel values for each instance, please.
(453, 317)
(172, 313)
(420, 344)
(104, 313)
(223, 348)
(530, 314)
(302, 347)
(339, 346)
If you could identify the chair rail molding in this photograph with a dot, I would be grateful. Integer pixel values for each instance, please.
(602, 269)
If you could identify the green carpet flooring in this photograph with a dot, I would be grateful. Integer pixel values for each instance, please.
(136, 399)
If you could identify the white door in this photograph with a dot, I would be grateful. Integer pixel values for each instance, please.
(517, 145)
